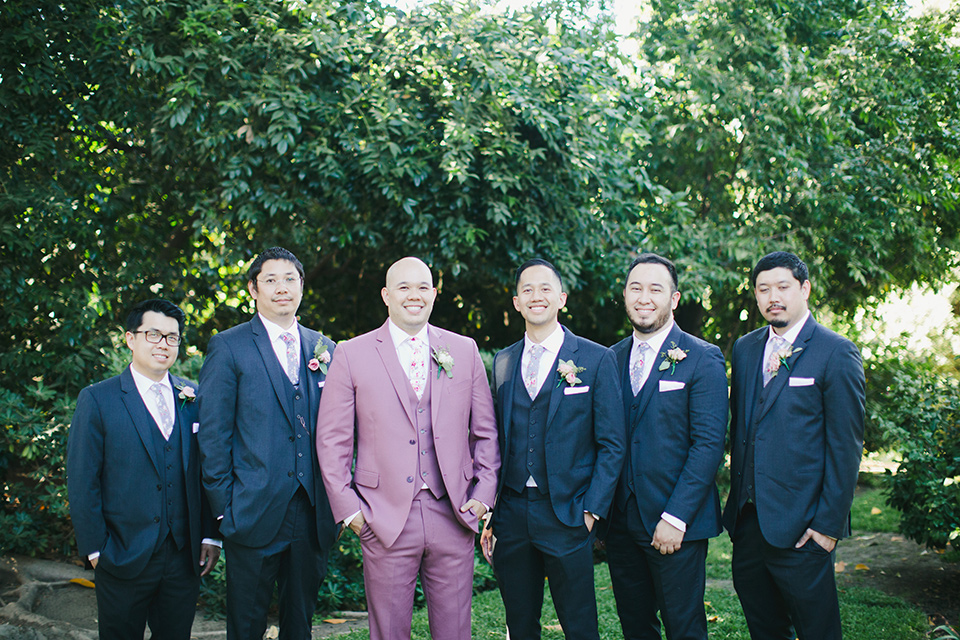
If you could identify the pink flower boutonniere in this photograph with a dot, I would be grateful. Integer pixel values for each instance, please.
(779, 358)
(444, 361)
(321, 358)
(673, 356)
(187, 394)
(568, 373)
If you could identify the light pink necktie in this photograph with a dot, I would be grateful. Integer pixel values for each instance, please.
(418, 367)
(166, 420)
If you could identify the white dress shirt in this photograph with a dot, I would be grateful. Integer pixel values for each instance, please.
(274, 331)
(551, 349)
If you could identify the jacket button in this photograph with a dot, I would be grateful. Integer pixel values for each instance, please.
(159, 487)
(291, 438)
(156, 519)
(409, 478)
(413, 442)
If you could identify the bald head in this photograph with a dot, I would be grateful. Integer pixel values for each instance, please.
(406, 268)
(409, 294)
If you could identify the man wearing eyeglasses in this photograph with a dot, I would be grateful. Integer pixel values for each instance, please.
(260, 390)
(133, 475)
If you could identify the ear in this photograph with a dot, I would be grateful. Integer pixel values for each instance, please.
(130, 338)
(252, 288)
(674, 300)
(385, 294)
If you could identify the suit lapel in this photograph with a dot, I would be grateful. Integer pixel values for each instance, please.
(277, 377)
(779, 381)
(401, 383)
(751, 372)
(507, 372)
(139, 415)
(307, 346)
(181, 422)
(622, 350)
(435, 377)
(568, 351)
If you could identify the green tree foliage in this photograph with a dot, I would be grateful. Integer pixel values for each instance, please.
(830, 128)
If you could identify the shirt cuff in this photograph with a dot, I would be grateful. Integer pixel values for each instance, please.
(675, 521)
(595, 516)
(93, 556)
(216, 543)
(349, 519)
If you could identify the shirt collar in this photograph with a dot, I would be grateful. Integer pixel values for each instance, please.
(551, 344)
(656, 342)
(399, 335)
(144, 383)
(790, 336)
(274, 330)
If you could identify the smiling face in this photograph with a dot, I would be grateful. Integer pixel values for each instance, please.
(539, 297)
(782, 298)
(649, 298)
(278, 291)
(153, 360)
(409, 294)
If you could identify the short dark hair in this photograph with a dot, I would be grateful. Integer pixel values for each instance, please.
(273, 253)
(157, 305)
(781, 259)
(652, 258)
(537, 262)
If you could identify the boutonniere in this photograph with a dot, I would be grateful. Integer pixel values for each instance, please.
(321, 358)
(673, 356)
(187, 394)
(568, 373)
(779, 357)
(444, 361)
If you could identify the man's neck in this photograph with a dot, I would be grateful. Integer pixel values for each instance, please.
(152, 375)
(539, 333)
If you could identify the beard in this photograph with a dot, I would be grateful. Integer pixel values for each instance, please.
(778, 323)
(653, 324)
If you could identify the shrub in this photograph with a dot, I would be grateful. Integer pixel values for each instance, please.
(924, 422)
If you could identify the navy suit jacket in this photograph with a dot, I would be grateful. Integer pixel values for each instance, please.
(809, 434)
(584, 437)
(675, 445)
(113, 475)
(248, 434)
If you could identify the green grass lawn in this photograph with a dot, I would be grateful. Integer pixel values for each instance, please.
(867, 614)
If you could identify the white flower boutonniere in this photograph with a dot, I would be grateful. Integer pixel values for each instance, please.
(444, 361)
(568, 371)
(779, 358)
(321, 358)
(187, 394)
(673, 356)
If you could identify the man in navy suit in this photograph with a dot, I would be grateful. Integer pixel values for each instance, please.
(260, 388)
(133, 476)
(561, 430)
(796, 434)
(667, 505)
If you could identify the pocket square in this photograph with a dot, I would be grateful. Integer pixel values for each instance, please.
(671, 385)
(196, 427)
(572, 391)
(801, 382)
(321, 383)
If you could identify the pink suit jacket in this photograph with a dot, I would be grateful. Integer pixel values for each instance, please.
(366, 406)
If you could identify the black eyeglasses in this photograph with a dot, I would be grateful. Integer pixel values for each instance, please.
(154, 337)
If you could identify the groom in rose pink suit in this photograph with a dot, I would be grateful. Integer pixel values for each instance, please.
(413, 402)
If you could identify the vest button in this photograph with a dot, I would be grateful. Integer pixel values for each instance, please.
(159, 487)
(299, 455)
(289, 474)
(420, 410)
(296, 397)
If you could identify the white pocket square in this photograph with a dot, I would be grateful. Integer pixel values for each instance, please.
(671, 385)
(321, 383)
(196, 427)
(801, 382)
(572, 391)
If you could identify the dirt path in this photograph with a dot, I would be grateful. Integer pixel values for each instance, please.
(890, 563)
